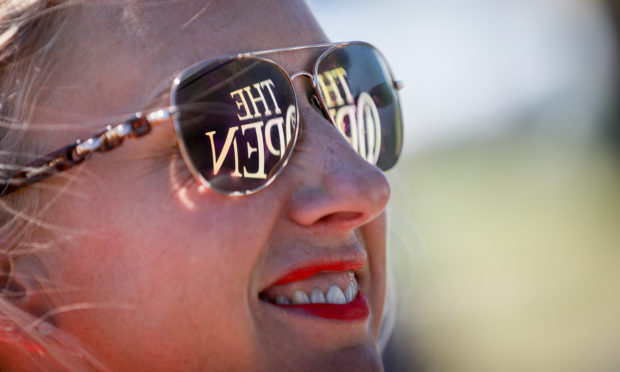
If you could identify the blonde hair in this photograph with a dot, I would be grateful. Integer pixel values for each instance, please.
(28, 37)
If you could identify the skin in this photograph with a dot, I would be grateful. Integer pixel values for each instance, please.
(171, 271)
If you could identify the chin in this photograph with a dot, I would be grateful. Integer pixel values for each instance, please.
(362, 358)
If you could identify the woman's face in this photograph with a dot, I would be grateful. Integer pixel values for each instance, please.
(172, 275)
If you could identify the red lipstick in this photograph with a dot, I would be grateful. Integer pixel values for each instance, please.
(355, 310)
(311, 270)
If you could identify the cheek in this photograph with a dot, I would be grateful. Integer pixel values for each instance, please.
(178, 279)
(374, 236)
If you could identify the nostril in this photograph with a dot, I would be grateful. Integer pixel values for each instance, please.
(341, 218)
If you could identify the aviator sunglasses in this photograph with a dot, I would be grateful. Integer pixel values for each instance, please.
(236, 117)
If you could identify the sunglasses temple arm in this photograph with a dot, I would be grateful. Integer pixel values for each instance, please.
(38, 170)
(73, 155)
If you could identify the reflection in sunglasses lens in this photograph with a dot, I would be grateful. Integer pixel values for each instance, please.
(357, 87)
(237, 121)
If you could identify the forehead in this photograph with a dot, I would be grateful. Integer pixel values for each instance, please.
(115, 56)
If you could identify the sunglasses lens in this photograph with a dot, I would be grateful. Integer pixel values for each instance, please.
(357, 87)
(236, 121)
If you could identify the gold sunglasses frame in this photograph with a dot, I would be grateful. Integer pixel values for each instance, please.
(140, 123)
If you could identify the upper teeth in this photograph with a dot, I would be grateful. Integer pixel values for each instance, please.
(300, 297)
(335, 295)
(317, 296)
(282, 300)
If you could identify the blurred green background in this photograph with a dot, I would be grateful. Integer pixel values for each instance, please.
(505, 215)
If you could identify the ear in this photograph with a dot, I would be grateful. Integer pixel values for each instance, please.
(22, 301)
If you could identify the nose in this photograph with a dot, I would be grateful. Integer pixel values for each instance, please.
(334, 186)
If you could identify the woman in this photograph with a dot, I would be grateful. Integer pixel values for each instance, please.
(147, 257)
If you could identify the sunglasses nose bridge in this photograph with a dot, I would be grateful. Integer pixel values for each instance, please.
(304, 74)
(312, 96)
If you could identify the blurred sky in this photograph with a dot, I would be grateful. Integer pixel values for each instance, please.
(477, 68)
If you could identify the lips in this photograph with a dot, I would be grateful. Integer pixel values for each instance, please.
(325, 290)
(311, 270)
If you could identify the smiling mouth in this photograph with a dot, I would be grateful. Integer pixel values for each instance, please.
(320, 293)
